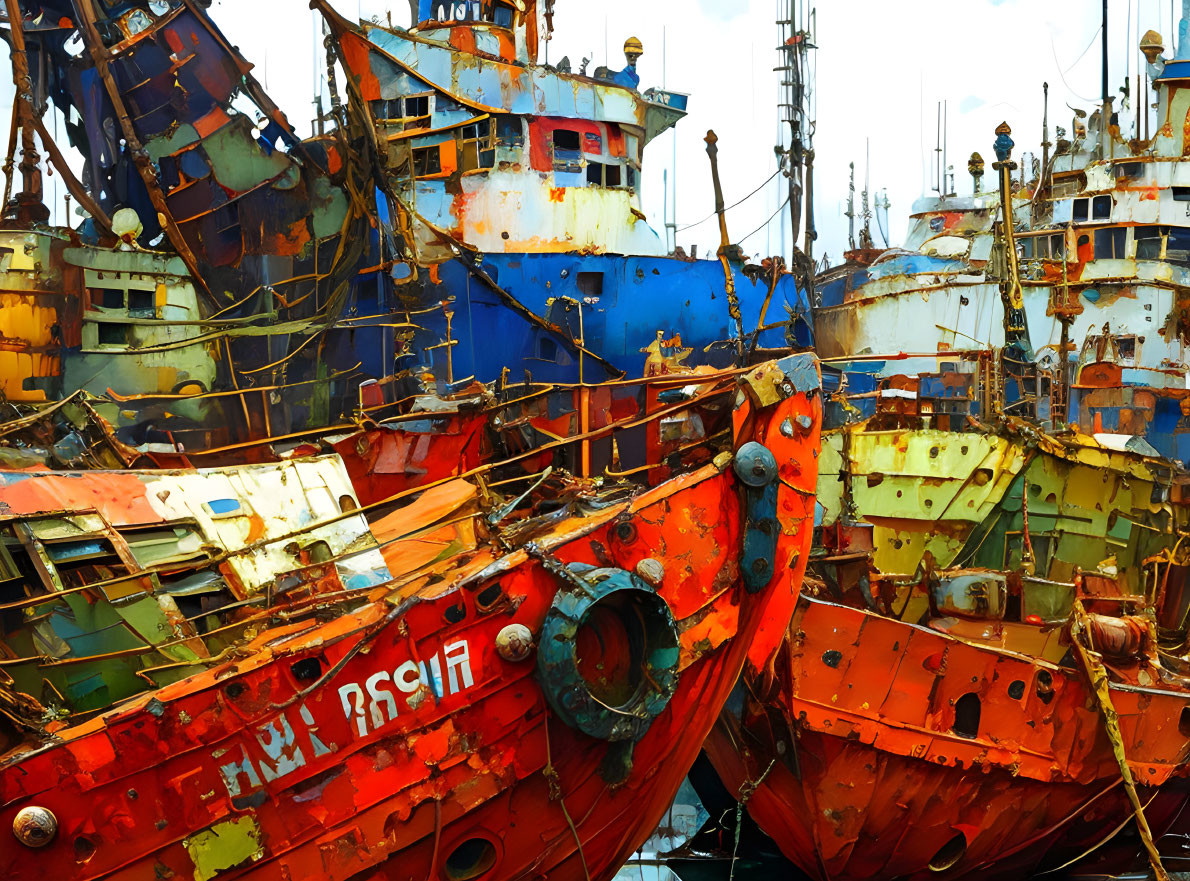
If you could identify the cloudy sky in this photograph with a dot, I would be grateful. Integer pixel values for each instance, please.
(882, 68)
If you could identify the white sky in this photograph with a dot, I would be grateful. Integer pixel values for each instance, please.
(882, 67)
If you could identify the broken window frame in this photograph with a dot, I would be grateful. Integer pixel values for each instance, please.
(1177, 246)
(426, 161)
(476, 148)
(1142, 236)
(407, 111)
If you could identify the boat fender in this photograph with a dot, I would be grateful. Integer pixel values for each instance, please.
(608, 652)
(756, 467)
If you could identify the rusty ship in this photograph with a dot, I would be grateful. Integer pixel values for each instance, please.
(292, 589)
(241, 672)
(1001, 528)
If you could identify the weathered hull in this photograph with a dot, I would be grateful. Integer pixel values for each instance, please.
(398, 741)
(892, 770)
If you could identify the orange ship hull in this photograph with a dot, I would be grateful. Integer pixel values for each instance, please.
(956, 760)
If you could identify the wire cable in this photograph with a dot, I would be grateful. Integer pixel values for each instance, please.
(736, 205)
(766, 223)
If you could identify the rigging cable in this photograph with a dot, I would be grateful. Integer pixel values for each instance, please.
(766, 223)
(714, 214)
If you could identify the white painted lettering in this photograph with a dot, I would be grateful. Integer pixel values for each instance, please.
(407, 677)
(379, 697)
(458, 661)
(352, 697)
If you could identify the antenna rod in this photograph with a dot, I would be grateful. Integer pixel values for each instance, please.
(945, 134)
(938, 153)
(1106, 92)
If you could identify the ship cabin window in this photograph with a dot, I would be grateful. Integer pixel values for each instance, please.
(1150, 240)
(1079, 210)
(413, 111)
(568, 155)
(1109, 243)
(142, 304)
(1051, 247)
(112, 334)
(1178, 248)
(502, 15)
(1129, 170)
(601, 175)
(110, 299)
(427, 161)
(475, 147)
(1181, 194)
(1101, 208)
(510, 131)
(497, 13)
(1126, 346)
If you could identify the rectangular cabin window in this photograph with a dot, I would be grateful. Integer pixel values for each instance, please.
(109, 299)
(1109, 243)
(427, 161)
(1149, 241)
(1181, 194)
(1101, 208)
(568, 155)
(475, 147)
(502, 15)
(1079, 210)
(142, 304)
(412, 111)
(510, 131)
(1126, 345)
(498, 13)
(601, 175)
(112, 334)
(1178, 248)
(1057, 246)
(1129, 170)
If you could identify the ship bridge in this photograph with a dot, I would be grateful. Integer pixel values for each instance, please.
(485, 146)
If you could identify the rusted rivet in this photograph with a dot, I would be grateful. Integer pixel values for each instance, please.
(514, 642)
(35, 827)
(651, 571)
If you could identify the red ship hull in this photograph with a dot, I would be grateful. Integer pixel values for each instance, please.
(397, 741)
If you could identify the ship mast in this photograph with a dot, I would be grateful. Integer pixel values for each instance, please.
(850, 212)
(794, 31)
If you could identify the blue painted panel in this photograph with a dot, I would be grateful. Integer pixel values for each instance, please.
(626, 301)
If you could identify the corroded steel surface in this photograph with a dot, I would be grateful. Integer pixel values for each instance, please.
(958, 760)
(396, 740)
